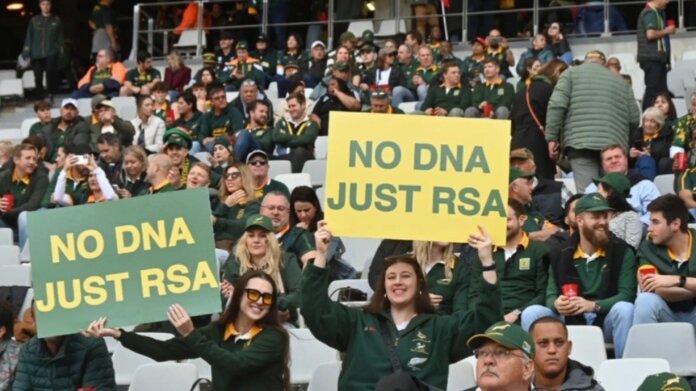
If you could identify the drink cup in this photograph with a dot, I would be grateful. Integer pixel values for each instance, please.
(646, 270)
(680, 161)
(570, 290)
(9, 202)
(487, 110)
(671, 23)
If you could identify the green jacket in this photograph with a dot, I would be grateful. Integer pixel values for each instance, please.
(597, 279)
(264, 136)
(499, 94)
(658, 256)
(591, 108)
(78, 133)
(192, 125)
(408, 71)
(44, 37)
(472, 69)
(451, 289)
(523, 277)
(241, 365)
(656, 50)
(230, 221)
(297, 241)
(273, 185)
(124, 129)
(268, 61)
(425, 347)
(438, 96)
(137, 79)
(225, 124)
(287, 134)
(80, 362)
(290, 273)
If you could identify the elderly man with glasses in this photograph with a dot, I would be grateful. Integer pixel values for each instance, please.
(505, 358)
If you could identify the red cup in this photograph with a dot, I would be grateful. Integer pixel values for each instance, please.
(9, 202)
(646, 270)
(570, 290)
(671, 23)
(680, 162)
(487, 110)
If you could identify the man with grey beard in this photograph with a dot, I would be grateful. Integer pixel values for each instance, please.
(592, 278)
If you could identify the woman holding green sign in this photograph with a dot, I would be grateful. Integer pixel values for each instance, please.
(247, 348)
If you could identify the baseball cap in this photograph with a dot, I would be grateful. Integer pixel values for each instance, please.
(106, 103)
(595, 54)
(516, 173)
(521, 153)
(68, 101)
(256, 152)
(480, 40)
(340, 66)
(292, 63)
(506, 334)
(664, 381)
(222, 140)
(262, 37)
(209, 58)
(347, 36)
(226, 34)
(96, 100)
(367, 48)
(177, 136)
(618, 182)
(259, 221)
(242, 45)
(368, 36)
(318, 43)
(593, 202)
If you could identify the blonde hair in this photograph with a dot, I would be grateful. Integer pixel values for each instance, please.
(271, 262)
(177, 61)
(6, 148)
(139, 153)
(656, 114)
(421, 251)
(247, 182)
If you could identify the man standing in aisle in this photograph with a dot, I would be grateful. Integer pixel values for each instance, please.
(654, 48)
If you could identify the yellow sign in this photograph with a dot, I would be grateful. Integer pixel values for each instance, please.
(417, 177)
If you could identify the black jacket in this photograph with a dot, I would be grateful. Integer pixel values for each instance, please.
(396, 78)
(540, 91)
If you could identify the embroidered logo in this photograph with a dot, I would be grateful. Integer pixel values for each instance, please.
(524, 263)
(415, 361)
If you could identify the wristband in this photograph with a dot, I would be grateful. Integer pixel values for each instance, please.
(488, 268)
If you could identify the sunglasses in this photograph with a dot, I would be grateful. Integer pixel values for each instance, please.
(254, 296)
(219, 97)
(233, 175)
(258, 162)
(392, 54)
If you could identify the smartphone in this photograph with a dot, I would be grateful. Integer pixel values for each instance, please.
(81, 160)
(638, 145)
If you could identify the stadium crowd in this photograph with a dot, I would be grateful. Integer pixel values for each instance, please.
(613, 253)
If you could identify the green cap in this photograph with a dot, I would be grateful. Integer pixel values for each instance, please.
(368, 36)
(593, 202)
(664, 381)
(209, 58)
(347, 36)
(367, 48)
(340, 66)
(242, 45)
(292, 63)
(178, 136)
(618, 182)
(260, 221)
(222, 140)
(516, 173)
(509, 335)
(521, 153)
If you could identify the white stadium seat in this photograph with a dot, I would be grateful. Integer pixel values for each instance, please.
(325, 377)
(359, 251)
(278, 167)
(588, 345)
(126, 361)
(294, 180)
(316, 170)
(674, 342)
(629, 373)
(306, 354)
(461, 376)
(9, 255)
(665, 183)
(171, 376)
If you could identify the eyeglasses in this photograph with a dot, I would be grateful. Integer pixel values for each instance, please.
(254, 296)
(392, 54)
(258, 162)
(219, 97)
(233, 175)
(272, 208)
(498, 354)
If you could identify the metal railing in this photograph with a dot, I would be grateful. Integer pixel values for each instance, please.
(144, 31)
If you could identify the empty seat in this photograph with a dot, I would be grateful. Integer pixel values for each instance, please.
(11, 88)
(204, 369)
(84, 106)
(689, 55)
(325, 377)
(17, 275)
(26, 125)
(461, 376)
(204, 157)
(408, 107)
(680, 106)
(628, 373)
(171, 376)
(231, 95)
(359, 250)
(569, 184)
(321, 147)
(188, 41)
(360, 284)
(278, 167)
(126, 361)
(674, 342)
(6, 236)
(294, 180)
(126, 107)
(358, 26)
(665, 183)
(588, 345)
(316, 170)
(9, 255)
(306, 354)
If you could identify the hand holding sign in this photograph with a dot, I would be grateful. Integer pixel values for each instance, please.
(98, 329)
(180, 319)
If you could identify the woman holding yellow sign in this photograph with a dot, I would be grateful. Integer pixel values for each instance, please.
(247, 348)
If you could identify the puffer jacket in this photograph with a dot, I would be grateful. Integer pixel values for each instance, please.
(80, 362)
(591, 108)
(580, 377)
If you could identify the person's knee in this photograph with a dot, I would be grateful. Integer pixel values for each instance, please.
(472, 112)
(502, 113)
(622, 311)
(534, 312)
(456, 112)
(648, 302)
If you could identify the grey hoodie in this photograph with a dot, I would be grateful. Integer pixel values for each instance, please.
(579, 378)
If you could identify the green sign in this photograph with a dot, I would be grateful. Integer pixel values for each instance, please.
(128, 260)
